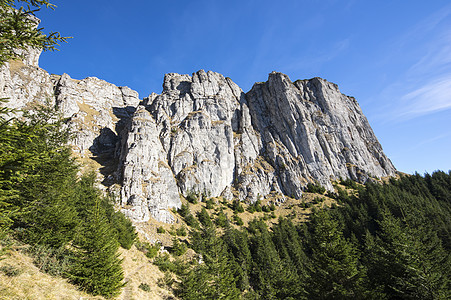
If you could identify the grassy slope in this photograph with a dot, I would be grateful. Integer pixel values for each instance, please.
(33, 284)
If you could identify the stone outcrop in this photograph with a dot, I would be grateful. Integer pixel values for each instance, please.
(312, 131)
(23, 84)
(97, 111)
(217, 140)
(203, 134)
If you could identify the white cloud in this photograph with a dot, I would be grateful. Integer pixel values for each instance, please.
(429, 141)
(425, 86)
(432, 97)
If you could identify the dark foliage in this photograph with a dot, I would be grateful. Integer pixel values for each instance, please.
(391, 241)
(47, 205)
(315, 188)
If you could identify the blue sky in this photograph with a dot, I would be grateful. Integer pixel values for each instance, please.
(393, 56)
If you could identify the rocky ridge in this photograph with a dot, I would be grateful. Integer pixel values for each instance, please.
(203, 134)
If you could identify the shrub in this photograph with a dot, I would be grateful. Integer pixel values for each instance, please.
(191, 221)
(181, 231)
(10, 271)
(164, 263)
(49, 260)
(272, 207)
(238, 221)
(317, 200)
(204, 217)
(172, 231)
(315, 188)
(184, 210)
(209, 203)
(149, 250)
(331, 195)
(167, 281)
(221, 220)
(145, 287)
(237, 207)
(161, 230)
(178, 248)
(349, 183)
(192, 197)
(258, 205)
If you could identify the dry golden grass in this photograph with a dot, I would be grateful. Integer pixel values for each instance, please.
(32, 284)
(138, 269)
(15, 65)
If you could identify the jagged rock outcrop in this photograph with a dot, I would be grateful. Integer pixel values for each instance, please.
(23, 83)
(97, 111)
(312, 131)
(148, 185)
(272, 140)
(204, 134)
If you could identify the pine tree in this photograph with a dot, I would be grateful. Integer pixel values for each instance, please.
(334, 272)
(18, 30)
(407, 263)
(289, 246)
(214, 277)
(204, 217)
(267, 267)
(37, 173)
(96, 265)
(238, 246)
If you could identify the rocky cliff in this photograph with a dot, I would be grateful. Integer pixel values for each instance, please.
(204, 134)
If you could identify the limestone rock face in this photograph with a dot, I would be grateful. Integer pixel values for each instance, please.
(203, 134)
(214, 139)
(97, 111)
(23, 84)
(149, 186)
(190, 139)
(311, 131)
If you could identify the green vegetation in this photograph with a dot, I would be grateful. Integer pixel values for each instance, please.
(256, 206)
(192, 197)
(178, 248)
(190, 220)
(209, 204)
(204, 217)
(181, 231)
(144, 286)
(10, 271)
(96, 265)
(72, 229)
(315, 188)
(383, 241)
(149, 250)
(18, 30)
(237, 207)
(238, 221)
